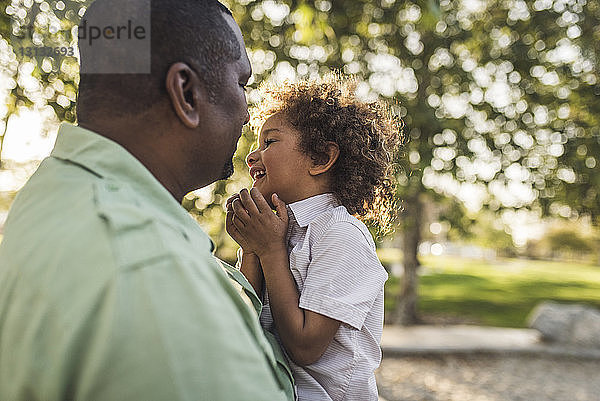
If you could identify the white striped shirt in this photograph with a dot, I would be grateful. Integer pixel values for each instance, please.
(338, 274)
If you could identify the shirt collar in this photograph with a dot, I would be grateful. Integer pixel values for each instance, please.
(109, 160)
(306, 210)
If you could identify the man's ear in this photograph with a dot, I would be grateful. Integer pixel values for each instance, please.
(330, 156)
(184, 89)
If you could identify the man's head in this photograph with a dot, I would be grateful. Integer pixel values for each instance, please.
(192, 104)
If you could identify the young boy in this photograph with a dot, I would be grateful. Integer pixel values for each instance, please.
(328, 157)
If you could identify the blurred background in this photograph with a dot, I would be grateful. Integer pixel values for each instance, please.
(498, 184)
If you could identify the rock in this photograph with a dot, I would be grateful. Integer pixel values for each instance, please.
(554, 321)
(573, 324)
(586, 329)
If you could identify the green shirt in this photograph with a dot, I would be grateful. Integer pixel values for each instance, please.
(109, 291)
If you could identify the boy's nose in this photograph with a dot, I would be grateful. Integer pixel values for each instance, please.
(251, 158)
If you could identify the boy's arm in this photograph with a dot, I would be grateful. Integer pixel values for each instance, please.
(249, 263)
(304, 334)
(250, 267)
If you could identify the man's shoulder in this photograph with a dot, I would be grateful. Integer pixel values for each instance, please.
(76, 215)
(53, 203)
(64, 196)
(117, 204)
(129, 226)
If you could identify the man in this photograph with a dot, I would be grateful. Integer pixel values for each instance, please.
(108, 288)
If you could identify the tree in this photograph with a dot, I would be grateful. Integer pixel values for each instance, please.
(499, 97)
(38, 77)
(566, 239)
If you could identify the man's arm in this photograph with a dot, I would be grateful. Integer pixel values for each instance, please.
(168, 331)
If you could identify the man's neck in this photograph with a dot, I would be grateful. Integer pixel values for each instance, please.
(144, 145)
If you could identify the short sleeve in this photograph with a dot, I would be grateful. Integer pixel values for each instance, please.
(344, 275)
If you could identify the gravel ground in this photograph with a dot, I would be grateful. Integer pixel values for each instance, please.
(488, 378)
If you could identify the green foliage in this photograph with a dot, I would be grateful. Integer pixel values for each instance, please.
(566, 240)
(453, 212)
(6, 199)
(58, 76)
(498, 95)
(500, 293)
(489, 97)
(463, 227)
(27, 26)
(489, 232)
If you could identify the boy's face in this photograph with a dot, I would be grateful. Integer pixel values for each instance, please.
(277, 165)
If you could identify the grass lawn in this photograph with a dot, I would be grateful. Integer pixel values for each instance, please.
(497, 293)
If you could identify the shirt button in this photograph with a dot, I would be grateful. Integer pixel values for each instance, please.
(112, 187)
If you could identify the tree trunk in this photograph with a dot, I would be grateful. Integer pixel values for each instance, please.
(406, 301)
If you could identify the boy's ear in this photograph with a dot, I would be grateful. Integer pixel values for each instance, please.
(330, 156)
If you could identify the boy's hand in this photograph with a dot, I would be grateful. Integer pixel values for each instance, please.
(231, 228)
(262, 230)
(230, 200)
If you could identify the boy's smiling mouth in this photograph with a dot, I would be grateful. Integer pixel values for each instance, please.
(257, 173)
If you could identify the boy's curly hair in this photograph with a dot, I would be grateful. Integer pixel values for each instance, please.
(368, 136)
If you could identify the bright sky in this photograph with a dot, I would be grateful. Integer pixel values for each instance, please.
(24, 140)
(24, 146)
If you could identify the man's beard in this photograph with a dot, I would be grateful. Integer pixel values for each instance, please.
(227, 169)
